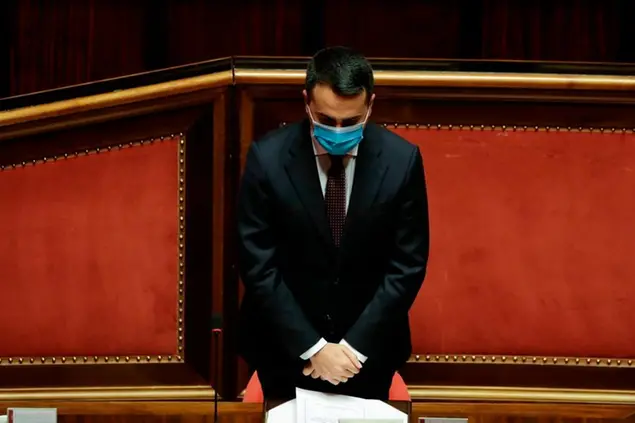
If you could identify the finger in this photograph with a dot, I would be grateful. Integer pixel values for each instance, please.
(307, 370)
(347, 371)
(353, 358)
(315, 375)
(330, 378)
(340, 378)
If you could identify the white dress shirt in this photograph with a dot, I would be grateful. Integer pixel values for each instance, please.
(323, 163)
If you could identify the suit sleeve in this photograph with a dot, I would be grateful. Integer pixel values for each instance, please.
(257, 262)
(406, 266)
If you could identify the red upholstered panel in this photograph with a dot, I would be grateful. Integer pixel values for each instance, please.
(88, 254)
(533, 239)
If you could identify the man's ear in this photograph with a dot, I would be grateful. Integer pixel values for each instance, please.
(306, 96)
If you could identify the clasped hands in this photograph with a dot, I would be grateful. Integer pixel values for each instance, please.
(334, 363)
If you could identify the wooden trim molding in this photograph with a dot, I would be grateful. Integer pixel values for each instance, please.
(456, 80)
(415, 79)
(426, 393)
(153, 393)
(505, 394)
(116, 98)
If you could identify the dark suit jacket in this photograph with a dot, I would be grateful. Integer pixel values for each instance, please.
(298, 285)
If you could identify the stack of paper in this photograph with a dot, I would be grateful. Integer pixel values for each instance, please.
(32, 415)
(317, 407)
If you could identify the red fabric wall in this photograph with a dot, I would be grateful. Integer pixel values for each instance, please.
(532, 240)
(88, 254)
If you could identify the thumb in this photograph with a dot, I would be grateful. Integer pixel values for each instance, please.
(352, 357)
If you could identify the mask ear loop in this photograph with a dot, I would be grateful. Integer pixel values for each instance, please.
(367, 115)
(307, 109)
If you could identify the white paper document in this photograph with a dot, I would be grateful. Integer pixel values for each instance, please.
(32, 415)
(318, 407)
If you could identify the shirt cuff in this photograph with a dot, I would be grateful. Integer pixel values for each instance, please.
(361, 357)
(314, 349)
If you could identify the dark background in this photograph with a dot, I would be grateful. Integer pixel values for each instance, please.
(46, 44)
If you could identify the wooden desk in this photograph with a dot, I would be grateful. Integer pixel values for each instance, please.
(236, 412)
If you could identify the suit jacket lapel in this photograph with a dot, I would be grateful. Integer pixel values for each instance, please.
(301, 167)
(369, 174)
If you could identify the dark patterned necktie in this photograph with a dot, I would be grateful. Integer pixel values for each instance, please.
(335, 197)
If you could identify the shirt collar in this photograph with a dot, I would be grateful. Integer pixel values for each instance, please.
(318, 150)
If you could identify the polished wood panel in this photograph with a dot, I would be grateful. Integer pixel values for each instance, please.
(224, 119)
(201, 118)
(194, 411)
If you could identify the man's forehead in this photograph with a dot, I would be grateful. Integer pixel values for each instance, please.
(340, 116)
(324, 94)
(338, 108)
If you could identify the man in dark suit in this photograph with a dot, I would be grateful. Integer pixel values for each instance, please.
(333, 241)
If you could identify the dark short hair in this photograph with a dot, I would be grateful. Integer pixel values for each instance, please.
(344, 70)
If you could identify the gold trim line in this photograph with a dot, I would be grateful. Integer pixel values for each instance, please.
(519, 359)
(110, 394)
(504, 394)
(457, 79)
(116, 98)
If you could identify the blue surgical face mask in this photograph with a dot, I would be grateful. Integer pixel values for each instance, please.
(338, 141)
